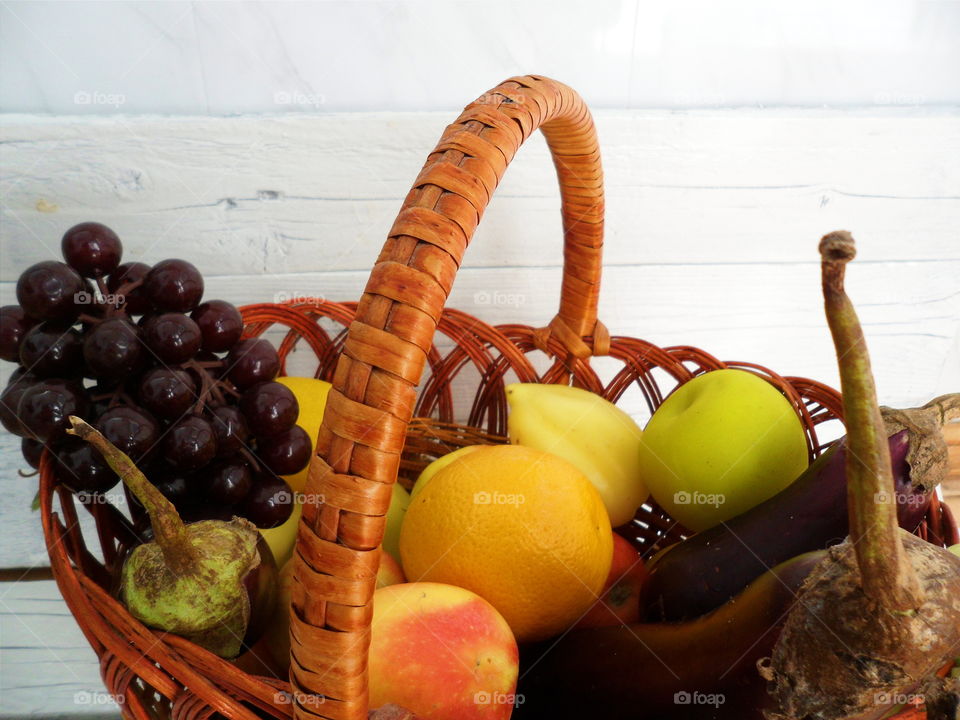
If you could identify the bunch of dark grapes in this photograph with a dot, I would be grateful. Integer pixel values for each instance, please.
(164, 376)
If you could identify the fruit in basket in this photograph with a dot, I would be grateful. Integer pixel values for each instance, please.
(522, 528)
(437, 465)
(589, 431)
(881, 614)
(442, 652)
(389, 572)
(399, 502)
(311, 395)
(282, 538)
(703, 668)
(213, 581)
(706, 570)
(127, 327)
(619, 602)
(719, 445)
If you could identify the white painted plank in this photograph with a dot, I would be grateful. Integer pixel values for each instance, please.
(291, 194)
(47, 669)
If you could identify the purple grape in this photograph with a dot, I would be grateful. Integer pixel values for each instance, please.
(286, 453)
(52, 350)
(229, 483)
(82, 469)
(172, 336)
(251, 361)
(190, 443)
(132, 430)
(269, 408)
(32, 450)
(47, 291)
(231, 429)
(14, 325)
(174, 286)
(113, 349)
(10, 404)
(220, 323)
(269, 503)
(92, 249)
(167, 392)
(136, 301)
(46, 405)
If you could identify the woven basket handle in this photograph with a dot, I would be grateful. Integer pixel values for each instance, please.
(374, 391)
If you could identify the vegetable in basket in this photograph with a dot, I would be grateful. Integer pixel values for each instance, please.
(212, 581)
(706, 570)
(881, 614)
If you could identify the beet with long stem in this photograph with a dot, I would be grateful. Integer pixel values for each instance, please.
(878, 617)
(211, 581)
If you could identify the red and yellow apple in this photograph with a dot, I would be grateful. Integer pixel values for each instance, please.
(441, 652)
(390, 572)
(619, 604)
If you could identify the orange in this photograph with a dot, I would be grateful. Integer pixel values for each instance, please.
(524, 529)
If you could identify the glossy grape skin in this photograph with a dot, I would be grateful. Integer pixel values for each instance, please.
(136, 301)
(251, 361)
(286, 453)
(52, 350)
(82, 469)
(231, 429)
(31, 450)
(10, 404)
(14, 325)
(190, 443)
(228, 483)
(92, 249)
(113, 349)
(167, 392)
(176, 488)
(220, 323)
(174, 286)
(131, 430)
(269, 503)
(47, 289)
(269, 408)
(46, 405)
(173, 337)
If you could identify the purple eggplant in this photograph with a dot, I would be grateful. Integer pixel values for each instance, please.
(706, 570)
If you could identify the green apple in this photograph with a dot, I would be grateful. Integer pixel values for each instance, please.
(720, 444)
(398, 508)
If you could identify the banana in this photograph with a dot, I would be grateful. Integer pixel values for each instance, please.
(592, 433)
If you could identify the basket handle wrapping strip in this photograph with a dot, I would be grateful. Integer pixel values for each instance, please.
(358, 451)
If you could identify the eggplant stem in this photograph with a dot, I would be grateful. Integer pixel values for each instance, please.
(168, 529)
(886, 574)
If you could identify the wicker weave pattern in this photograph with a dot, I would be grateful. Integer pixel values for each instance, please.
(386, 350)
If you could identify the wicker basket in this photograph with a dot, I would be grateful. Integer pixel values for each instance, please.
(369, 439)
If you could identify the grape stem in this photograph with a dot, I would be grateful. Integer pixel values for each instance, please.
(886, 575)
(169, 531)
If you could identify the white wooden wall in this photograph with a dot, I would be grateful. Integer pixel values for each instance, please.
(713, 219)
